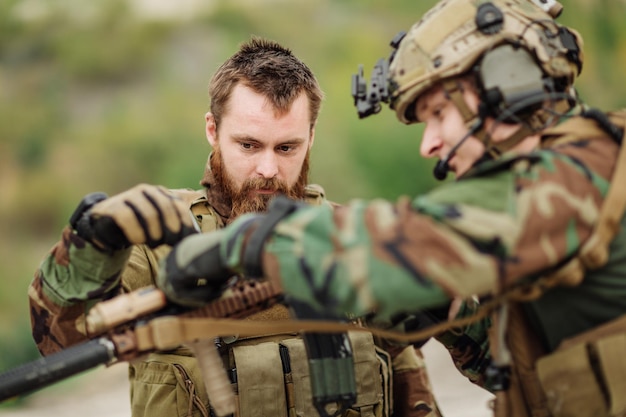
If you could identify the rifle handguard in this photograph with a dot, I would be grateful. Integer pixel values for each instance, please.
(108, 314)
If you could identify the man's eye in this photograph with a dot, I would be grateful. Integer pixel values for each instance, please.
(246, 145)
(285, 148)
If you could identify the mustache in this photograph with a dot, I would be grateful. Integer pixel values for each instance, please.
(270, 184)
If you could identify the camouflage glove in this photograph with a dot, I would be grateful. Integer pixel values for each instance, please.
(144, 214)
(196, 269)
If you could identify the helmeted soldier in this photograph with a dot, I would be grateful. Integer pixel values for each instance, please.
(528, 235)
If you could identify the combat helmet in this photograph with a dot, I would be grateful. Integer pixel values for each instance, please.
(515, 47)
(457, 35)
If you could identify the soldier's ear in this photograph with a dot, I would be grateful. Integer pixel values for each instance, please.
(312, 137)
(211, 129)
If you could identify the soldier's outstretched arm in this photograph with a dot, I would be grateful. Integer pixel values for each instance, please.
(476, 236)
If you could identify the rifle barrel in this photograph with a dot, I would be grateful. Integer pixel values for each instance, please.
(46, 371)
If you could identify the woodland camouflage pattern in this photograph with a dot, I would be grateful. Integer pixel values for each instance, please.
(504, 222)
(75, 276)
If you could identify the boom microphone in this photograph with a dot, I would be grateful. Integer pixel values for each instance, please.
(440, 172)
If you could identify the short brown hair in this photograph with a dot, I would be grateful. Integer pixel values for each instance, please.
(269, 69)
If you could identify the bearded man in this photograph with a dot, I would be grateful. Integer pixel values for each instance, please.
(261, 126)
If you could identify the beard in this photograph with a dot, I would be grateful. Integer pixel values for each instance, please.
(245, 199)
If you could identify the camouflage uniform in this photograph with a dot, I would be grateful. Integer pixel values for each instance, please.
(505, 223)
(485, 226)
(75, 276)
(534, 234)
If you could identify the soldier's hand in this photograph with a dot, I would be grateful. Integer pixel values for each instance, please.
(144, 214)
(193, 272)
(196, 269)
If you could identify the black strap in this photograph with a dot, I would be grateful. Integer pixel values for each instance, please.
(605, 124)
(279, 208)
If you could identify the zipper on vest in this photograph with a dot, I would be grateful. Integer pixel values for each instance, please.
(289, 389)
(190, 387)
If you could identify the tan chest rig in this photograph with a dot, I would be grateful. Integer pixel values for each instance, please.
(269, 374)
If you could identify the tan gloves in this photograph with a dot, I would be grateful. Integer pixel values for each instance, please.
(144, 214)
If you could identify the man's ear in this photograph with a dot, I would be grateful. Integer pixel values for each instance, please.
(312, 138)
(211, 129)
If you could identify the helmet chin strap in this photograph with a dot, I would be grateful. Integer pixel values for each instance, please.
(475, 122)
(442, 168)
(538, 121)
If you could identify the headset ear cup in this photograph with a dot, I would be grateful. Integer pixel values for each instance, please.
(491, 99)
(511, 83)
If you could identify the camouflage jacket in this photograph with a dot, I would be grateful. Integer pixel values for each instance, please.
(506, 222)
(75, 276)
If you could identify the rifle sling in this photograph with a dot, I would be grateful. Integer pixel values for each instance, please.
(168, 332)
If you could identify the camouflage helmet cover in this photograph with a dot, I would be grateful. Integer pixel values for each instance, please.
(446, 42)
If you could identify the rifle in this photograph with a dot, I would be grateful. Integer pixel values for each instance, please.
(134, 324)
(143, 321)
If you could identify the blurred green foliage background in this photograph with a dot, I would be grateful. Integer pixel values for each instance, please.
(105, 94)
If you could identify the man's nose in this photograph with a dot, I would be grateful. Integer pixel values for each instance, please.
(267, 165)
(431, 142)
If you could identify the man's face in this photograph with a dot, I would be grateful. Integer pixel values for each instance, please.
(444, 127)
(259, 153)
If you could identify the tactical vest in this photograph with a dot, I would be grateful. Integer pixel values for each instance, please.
(269, 374)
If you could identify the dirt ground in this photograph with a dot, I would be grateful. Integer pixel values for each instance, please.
(104, 392)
